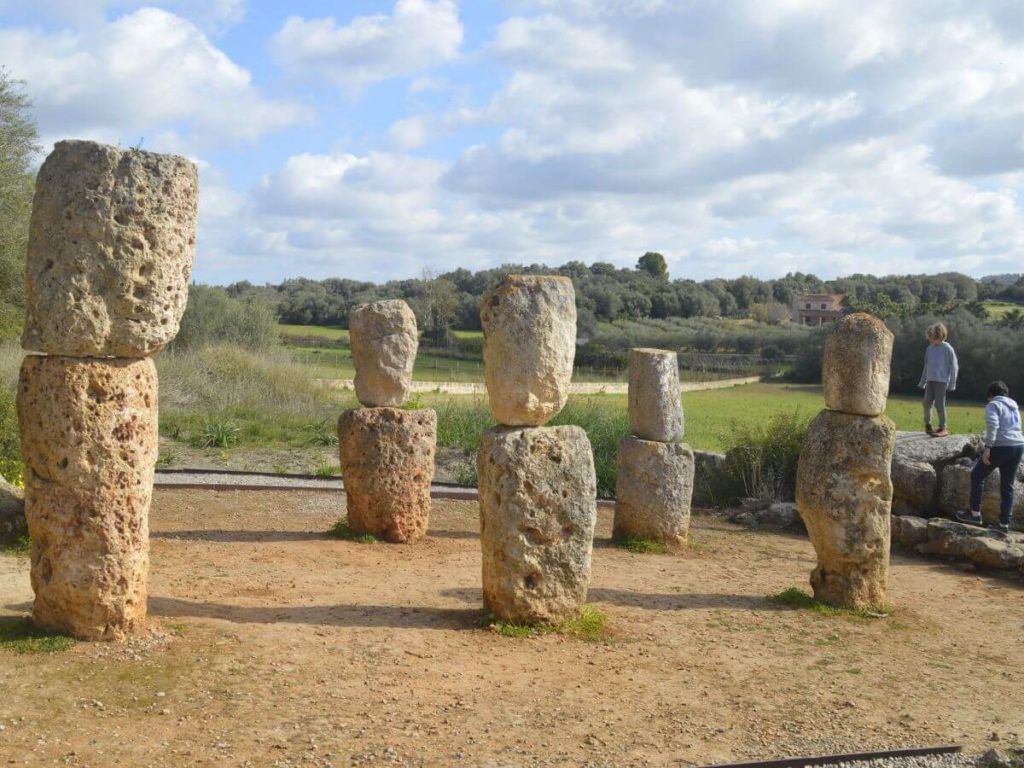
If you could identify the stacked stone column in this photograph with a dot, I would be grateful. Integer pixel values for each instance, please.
(387, 452)
(111, 244)
(654, 486)
(538, 490)
(844, 487)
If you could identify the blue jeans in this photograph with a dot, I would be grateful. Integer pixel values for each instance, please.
(1005, 458)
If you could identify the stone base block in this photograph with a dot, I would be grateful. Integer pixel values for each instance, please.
(89, 440)
(538, 508)
(653, 490)
(844, 495)
(387, 462)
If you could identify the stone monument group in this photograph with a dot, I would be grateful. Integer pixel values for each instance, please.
(112, 239)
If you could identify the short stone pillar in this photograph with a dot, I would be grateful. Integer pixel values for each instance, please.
(537, 485)
(844, 484)
(654, 485)
(111, 243)
(387, 453)
(388, 460)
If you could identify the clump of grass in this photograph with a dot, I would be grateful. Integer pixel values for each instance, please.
(327, 470)
(590, 625)
(797, 599)
(604, 426)
(340, 530)
(216, 433)
(640, 546)
(22, 636)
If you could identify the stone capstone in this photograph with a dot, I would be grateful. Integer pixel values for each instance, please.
(529, 325)
(111, 242)
(855, 365)
(387, 464)
(89, 441)
(655, 408)
(538, 508)
(384, 339)
(844, 496)
(12, 513)
(653, 491)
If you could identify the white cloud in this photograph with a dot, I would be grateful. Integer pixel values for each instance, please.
(149, 74)
(419, 34)
(212, 15)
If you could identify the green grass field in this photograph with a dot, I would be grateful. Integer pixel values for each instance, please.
(313, 331)
(996, 309)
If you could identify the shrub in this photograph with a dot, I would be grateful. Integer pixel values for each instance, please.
(213, 317)
(11, 467)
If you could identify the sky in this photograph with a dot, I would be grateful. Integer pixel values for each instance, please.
(380, 139)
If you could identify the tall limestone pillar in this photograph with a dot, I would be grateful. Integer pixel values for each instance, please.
(537, 486)
(111, 244)
(654, 486)
(387, 452)
(844, 488)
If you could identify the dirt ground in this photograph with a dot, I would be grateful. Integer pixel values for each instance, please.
(273, 645)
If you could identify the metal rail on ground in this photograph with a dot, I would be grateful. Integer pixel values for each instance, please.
(852, 757)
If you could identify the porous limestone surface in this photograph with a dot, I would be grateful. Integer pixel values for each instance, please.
(653, 491)
(855, 365)
(384, 340)
(655, 408)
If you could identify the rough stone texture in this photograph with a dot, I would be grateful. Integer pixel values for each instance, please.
(655, 408)
(387, 463)
(384, 339)
(12, 512)
(538, 508)
(779, 514)
(653, 490)
(913, 485)
(110, 250)
(955, 493)
(844, 495)
(89, 440)
(529, 324)
(909, 531)
(855, 365)
(947, 538)
(919, 448)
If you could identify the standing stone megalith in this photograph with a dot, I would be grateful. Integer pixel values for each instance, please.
(844, 477)
(387, 461)
(529, 324)
(111, 242)
(655, 408)
(89, 441)
(538, 509)
(384, 339)
(844, 495)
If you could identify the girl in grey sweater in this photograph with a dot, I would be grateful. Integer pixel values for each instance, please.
(938, 377)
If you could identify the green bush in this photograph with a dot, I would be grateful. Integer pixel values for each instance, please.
(214, 317)
(763, 463)
(11, 467)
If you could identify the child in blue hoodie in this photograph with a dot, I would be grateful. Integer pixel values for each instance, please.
(1003, 450)
(938, 377)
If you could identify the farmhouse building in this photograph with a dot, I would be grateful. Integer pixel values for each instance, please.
(817, 308)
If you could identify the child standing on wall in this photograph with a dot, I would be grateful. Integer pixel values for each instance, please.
(938, 378)
(1004, 447)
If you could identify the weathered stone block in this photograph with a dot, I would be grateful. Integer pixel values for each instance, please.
(384, 339)
(653, 490)
(655, 408)
(913, 485)
(387, 463)
(538, 508)
(89, 440)
(909, 531)
(855, 365)
(111, 243)
(844, 495)
(529, 324)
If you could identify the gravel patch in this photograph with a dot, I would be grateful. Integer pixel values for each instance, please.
(955, 760)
